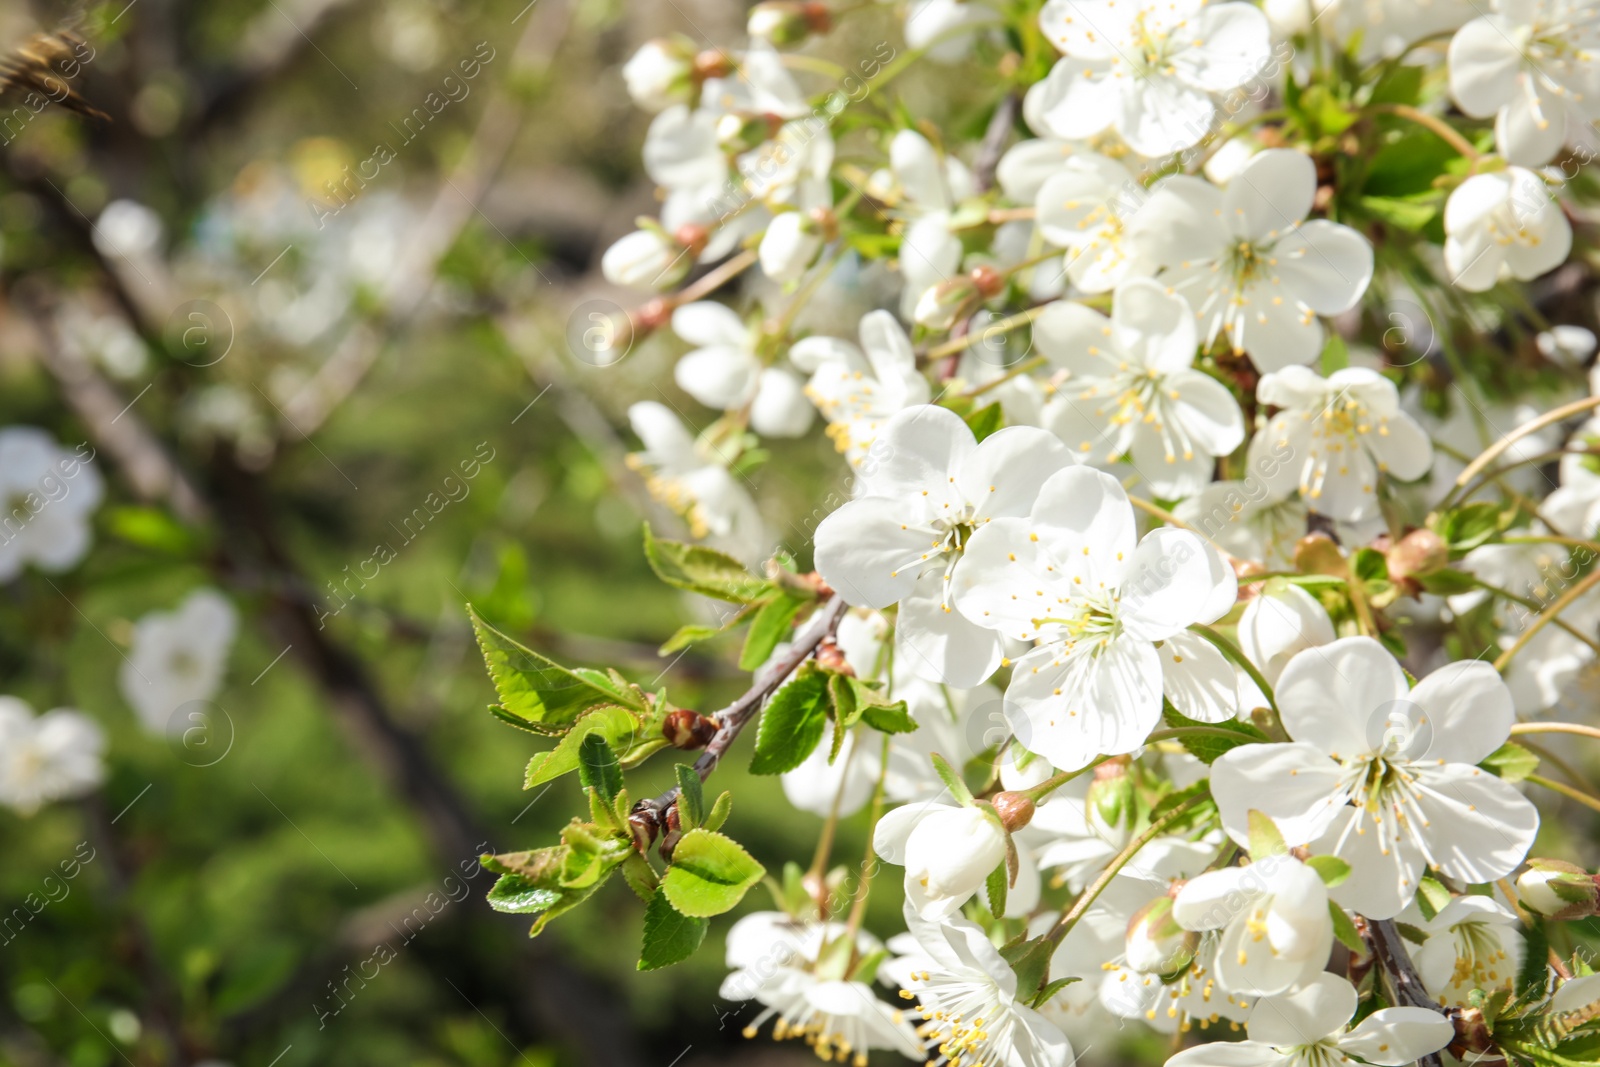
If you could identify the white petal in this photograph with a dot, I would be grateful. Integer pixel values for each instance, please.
(1392, 1037)
(1468, 711)
(869, 553)
(1004, 474)
(1295, 784)
(1271, 195)
(1336, 696)
(939, 644)
(706, 323)
(1478, 827)
(1484, 63)
(1198, 678)
(1228, 44)
(1322, 1007)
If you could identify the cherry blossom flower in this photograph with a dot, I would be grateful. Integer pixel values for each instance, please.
(1342, 433)
(1311, 1026)
(1503, 224)
(1273, 914)
(858, 389)
(1071, 577)
(1249, 264)
(1383, 776)
(178, 658)
(773, 961)
(1472, 943)
(1535, 67)
(661, 73)
(47, 495)
(1085, 207)
(1134, 393)
(968, 995)
(1148, 68)
(930, 486)
(49, 757)
(947, 850)
(704, 492)
(725, 372)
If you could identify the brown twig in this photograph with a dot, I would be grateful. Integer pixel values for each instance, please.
(649, 816)
(1405, 984)
(994, 141)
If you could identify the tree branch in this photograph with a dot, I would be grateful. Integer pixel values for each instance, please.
(1389, 948)
(648, 816)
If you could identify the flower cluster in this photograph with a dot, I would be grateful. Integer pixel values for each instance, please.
(1202, 566)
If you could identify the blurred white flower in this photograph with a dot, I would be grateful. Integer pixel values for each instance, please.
(178, 657)
(1504, 223)
(49, 757)
(47, 495)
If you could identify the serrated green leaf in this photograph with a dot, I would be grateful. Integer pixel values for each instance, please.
(710, 874)
(620, 728)
(1511, 762)
(640, 876)
(889, 718)
(772, 624)
(1344, 929)
(592, 854)
(1331, 869)
(703, 570)
(1207, 747)
(951, 779)
(720, 810)
(669, 935)
(792, 723)
(521, 896)
(1265, 840)
(539, 690)
(598, 768)
(995, 887)
(530, 884)
(691, 797)
(686, 635)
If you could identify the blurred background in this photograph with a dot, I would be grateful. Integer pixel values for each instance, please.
(317, 261)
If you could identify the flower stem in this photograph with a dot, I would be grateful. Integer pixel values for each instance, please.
(1566, 790)
(1071, 916)
(961, 344)
(1445, 132)
(858, 907)
(1490, 454)
(1564, 601)
(1233, 652)
(1555, 728)
(1056, 781)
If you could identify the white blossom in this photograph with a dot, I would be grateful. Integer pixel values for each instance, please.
(178, 657)
(49, 757)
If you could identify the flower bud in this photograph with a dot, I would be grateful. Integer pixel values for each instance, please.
(1015, 810)
(1558, 890)
(741, 133)
(788, 22)
(1156, 943)
(662, 73)
(789, 246)
(1316, 553)
(688, 730)
(646, 259)
(1110, 795)
(988, 281)
(831, 657)
(1417, 553)
(941, 305)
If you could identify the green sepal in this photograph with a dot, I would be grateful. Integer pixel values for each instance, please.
(1510, 762)
(1265, 840)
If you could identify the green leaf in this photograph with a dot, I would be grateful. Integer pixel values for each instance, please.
(710, 874)
(530, 884)
(1447, 582)
(690, 634)
(1048, 992)
(1432, 896)
(1335, 355)
(1030, 960)
(640, 876)
(539, 690)
(691, 797)
(592, 854)
(153, 529)
(768, 629)
(889, 718)
(1344, 929)
(985, 421)
(1369, 565)
(1511, 762)
(1535, 971)
(719, 812)
(619, 728)
(703, 570)
(598, 768)
(995, 887)
(1207, 747)
(1471, 525)
(792, 723)
(1265, 840)
(952, 780)
(1404, 213)
(1331, 869)
(669, 935)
